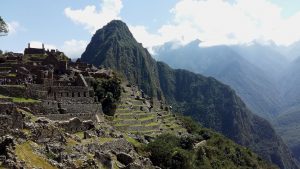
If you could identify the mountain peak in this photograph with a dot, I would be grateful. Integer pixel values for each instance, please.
(115, 29)
(116, 25)
(114, 46)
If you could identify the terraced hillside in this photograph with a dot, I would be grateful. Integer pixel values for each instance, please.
(139, 114)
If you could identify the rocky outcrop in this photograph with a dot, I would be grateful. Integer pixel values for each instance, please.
(124, 158)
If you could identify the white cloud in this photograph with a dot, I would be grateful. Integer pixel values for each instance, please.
(141, 34)
(93, 19)
(14, 27)
(223, 22)
(38, 44)
(74, 48)
(212, 21)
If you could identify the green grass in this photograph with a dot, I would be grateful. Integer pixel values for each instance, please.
(33, 118)
(78, 163)
(80, 134)
(20, 99)
(103, 140)
(20, 86)
(24, 100)
(27, 132)
(2, 167)
(3, 97)
(32, 160)
(138, 119)
(5, 68)
(11, 75)
(152, 124)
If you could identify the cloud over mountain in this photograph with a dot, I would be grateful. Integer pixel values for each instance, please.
(214, 22)
(93, 19)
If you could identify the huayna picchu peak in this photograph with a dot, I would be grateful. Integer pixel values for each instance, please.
(135, 61)
(207, 100)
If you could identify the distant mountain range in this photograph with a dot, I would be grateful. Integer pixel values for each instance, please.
(246, 76)
(265, 76)
(207, 100)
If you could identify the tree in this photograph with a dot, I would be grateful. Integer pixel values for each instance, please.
(3, 27)
(108, 92)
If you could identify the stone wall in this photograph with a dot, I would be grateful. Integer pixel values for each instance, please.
(75, 125)
(52, 107)
(63, 102)
(50, 110)
(13, 90)
(37, 91)
(10, 118)
(5, 123)
(60, 91)
(60, 117)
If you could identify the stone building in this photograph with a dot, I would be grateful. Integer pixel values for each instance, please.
(64, 87)
(66, 97)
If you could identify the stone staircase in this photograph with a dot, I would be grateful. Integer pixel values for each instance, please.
(133, 115)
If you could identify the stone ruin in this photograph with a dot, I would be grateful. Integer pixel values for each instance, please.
(76, 125)
(10, 118)
(63, 87)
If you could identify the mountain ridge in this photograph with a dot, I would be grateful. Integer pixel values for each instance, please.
(226, 65)
(187, 90)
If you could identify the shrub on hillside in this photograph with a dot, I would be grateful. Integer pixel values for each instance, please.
(108, 92)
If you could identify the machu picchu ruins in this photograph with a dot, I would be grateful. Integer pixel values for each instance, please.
(43, 92)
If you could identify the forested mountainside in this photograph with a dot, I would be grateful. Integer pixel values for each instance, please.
(266, 80)
(250, 82)
(212, 103)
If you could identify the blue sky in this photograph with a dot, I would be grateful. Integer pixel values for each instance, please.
(68, 25)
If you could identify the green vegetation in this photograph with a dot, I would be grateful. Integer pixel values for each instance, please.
(103, 140)
(208, 101)
(32, 117)
(20, 99)
(288, 127)
(18, 86)
(24, 100)
(4, 97)
(203, 148)
(80, 134)
(3, 27)
(32, 160)
(11, 75)
(132, 61)
(108, 92)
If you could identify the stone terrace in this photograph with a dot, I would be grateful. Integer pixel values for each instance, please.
(133, 115)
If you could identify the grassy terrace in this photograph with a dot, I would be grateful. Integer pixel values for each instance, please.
(32, 160)
(21, 86)
(140, 119)
(20, 99)
(24, 100)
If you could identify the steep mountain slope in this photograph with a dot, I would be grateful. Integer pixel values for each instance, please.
(223, 63)
(212, 103)
(288, 126)
(290, 85)
(287, 123)
(115, 47)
